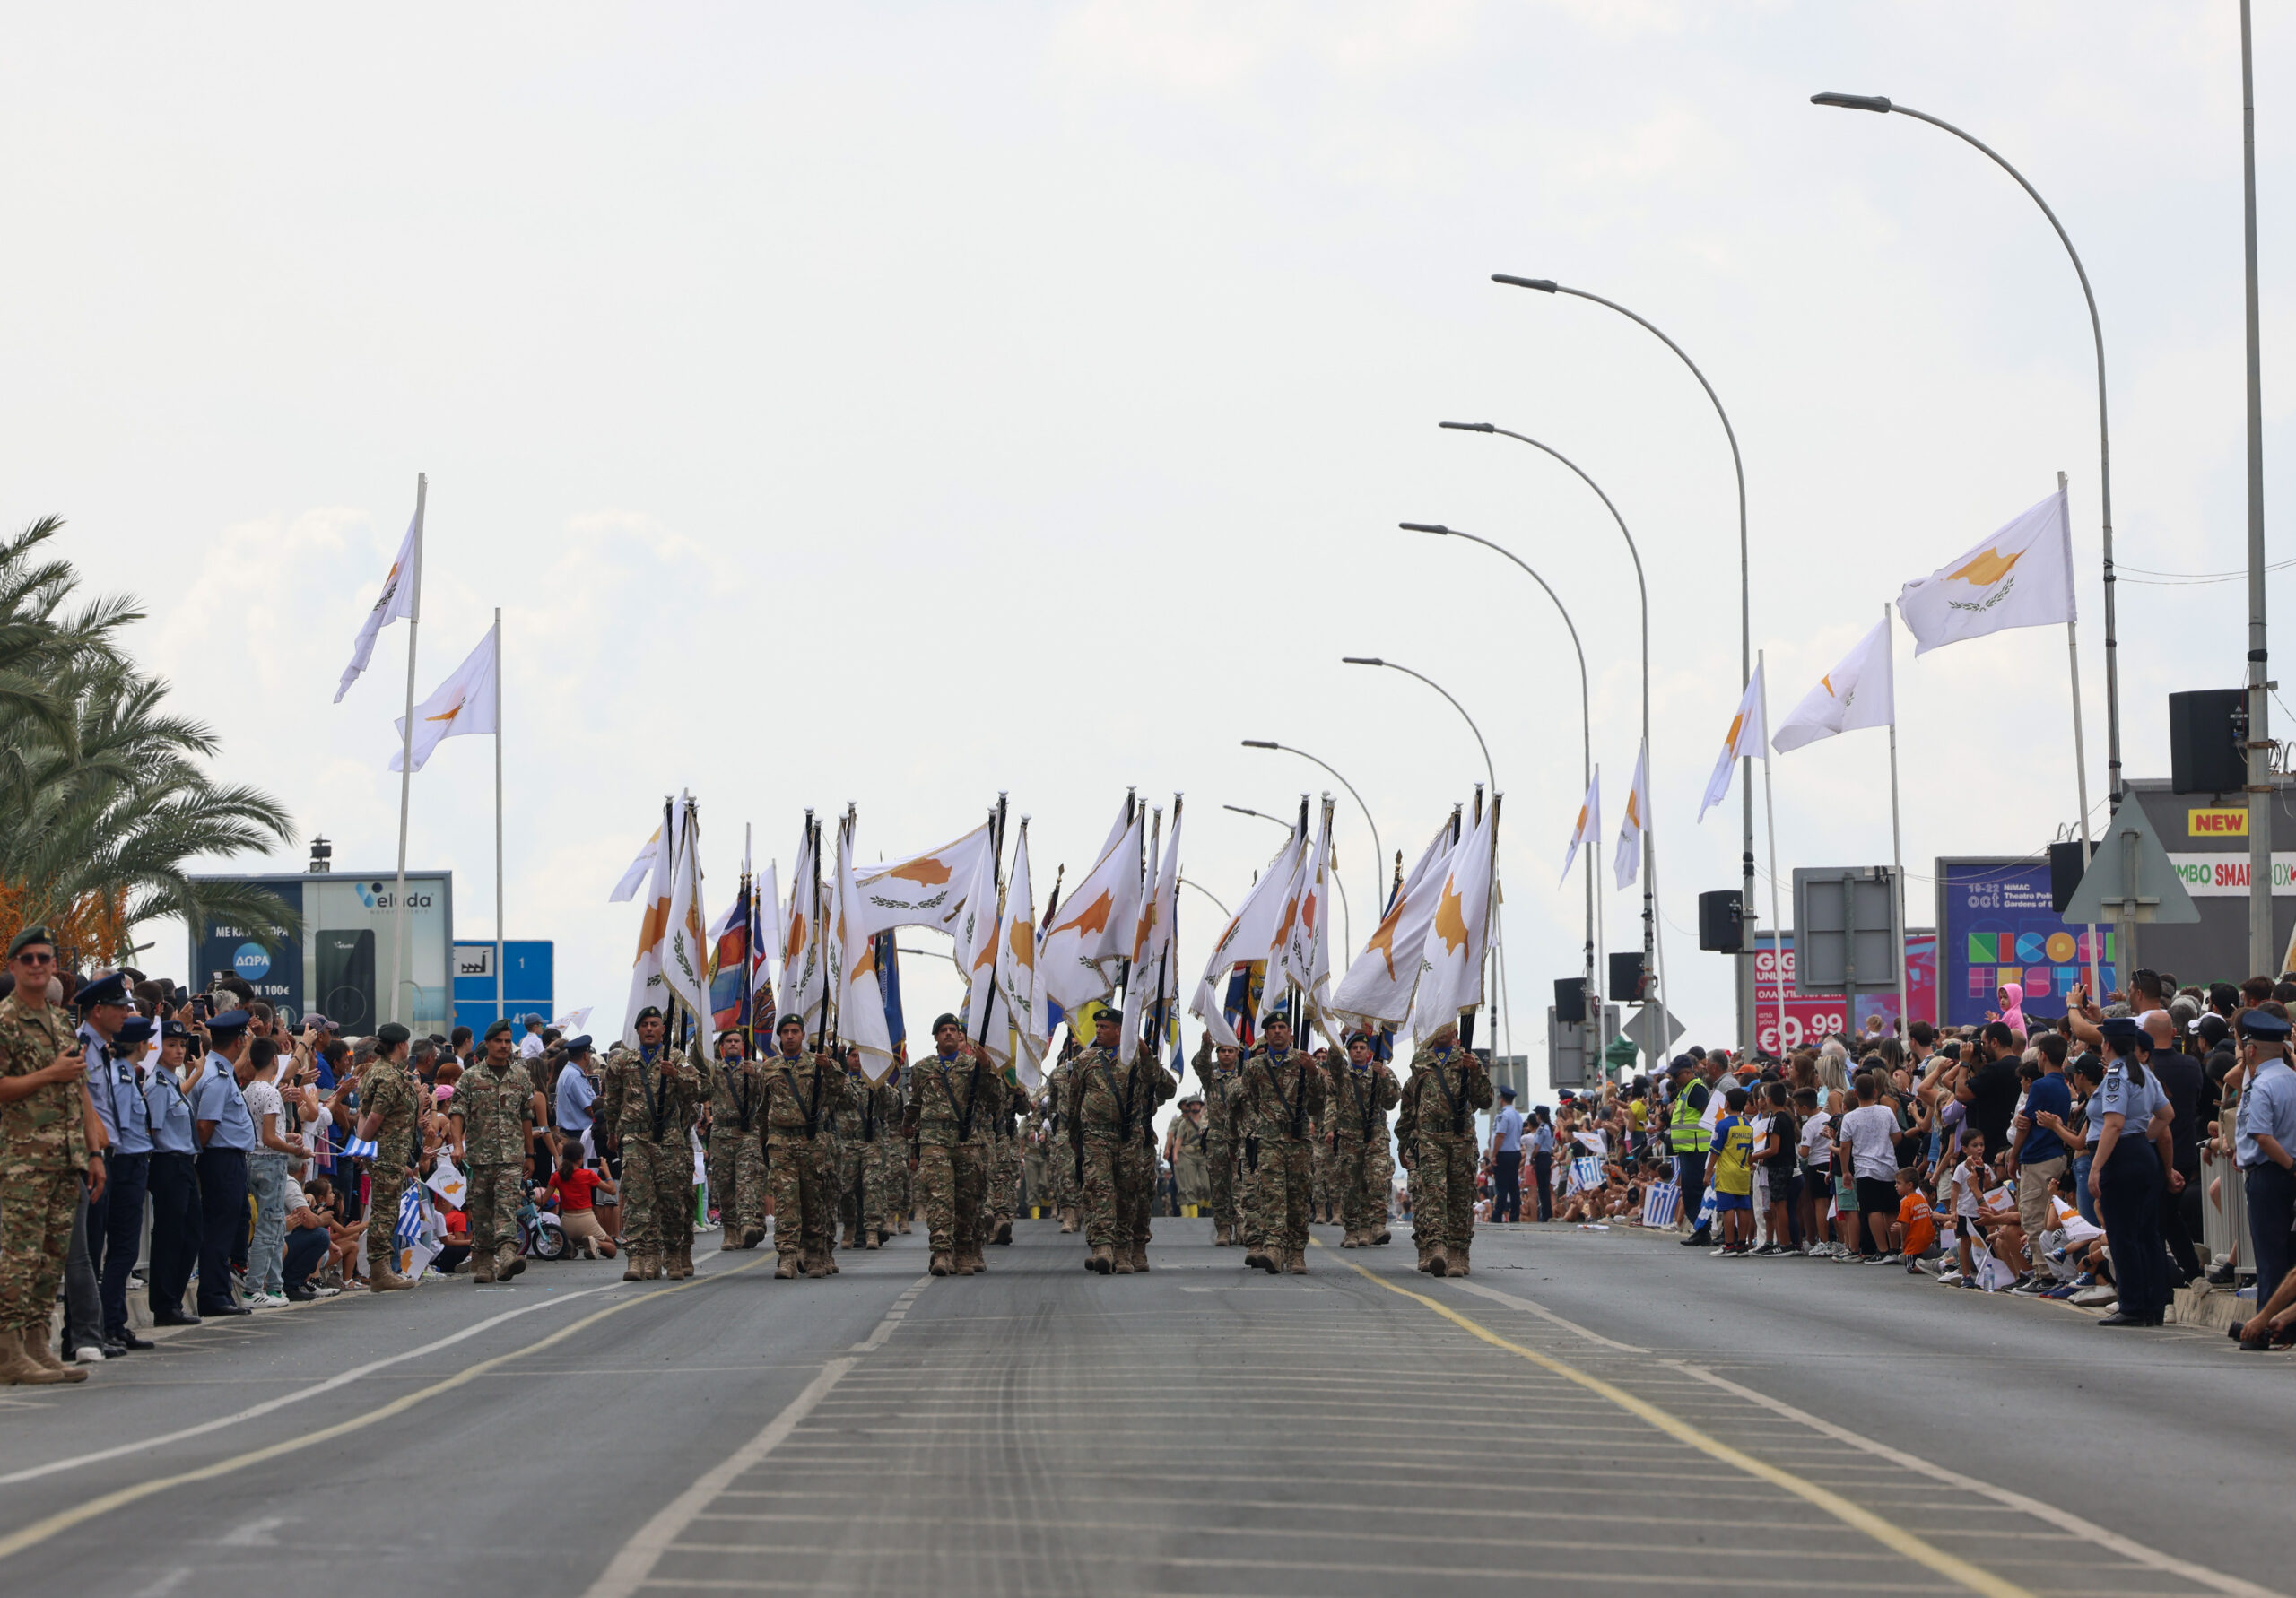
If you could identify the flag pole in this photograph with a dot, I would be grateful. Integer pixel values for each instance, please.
(2080, 755)
(1897, 850)
(501, 1006)
(407, 751)
(1770, 817)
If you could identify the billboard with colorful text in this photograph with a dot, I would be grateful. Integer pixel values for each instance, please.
(1997, 927)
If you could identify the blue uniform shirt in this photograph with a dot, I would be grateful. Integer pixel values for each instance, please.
(1508, 1123)
(2118, 1096)
(2268, 1108)
(217, 1098)
(171, 1112)
(576, 1095)
(111, 1087)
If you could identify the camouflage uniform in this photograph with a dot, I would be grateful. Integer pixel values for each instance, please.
(864, 1131)
(1064, 1189)
(1113, 1126)
(43, 1153)
(1437, 1125)
(1191, 1171)
(496, 1109)
(886, 1178)
(1035, 1170)
(651, 1118)
(1283, 1097)
(951, 1103)
(736, 1154)
(387, 1090)
(1005, 1169)
(1222, 1143)
(803, 1099)
(1360, 1099)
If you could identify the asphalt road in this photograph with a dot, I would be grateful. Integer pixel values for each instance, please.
(1590, 1411)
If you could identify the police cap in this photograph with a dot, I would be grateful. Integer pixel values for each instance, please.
(136, 1029)
(579, 1045)
(2264, 1026)
(229, 1024)
(171, 1031)
(2121, 1029)
(104, 990)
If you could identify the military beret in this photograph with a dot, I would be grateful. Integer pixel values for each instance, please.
(135, 1028)
(650, 1012)
(231, 1021)
(2264, 1026)
(579, 1046)
(30, 934)
(390, 1034)
(502, 1028)
(791, 1020)
(1273, 1016)
(1355, 1037)
(104, 990)
(946, 1020)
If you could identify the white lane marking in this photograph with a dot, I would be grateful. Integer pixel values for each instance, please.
(633, 1565)
(1543, 1312)
(342, 1380)
(2064, 1521)
(168, 1582)
(253, 1534)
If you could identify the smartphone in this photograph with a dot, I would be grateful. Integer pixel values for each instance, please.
(202, 1006)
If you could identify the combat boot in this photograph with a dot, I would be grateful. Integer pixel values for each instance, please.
(1101, 1260)
(1004, 1230)
(942, 1265)
(654, 1269)
(1122, 1262)
(962, 1257)
(382, 1279)
(1140, 1256)
(1384, 1236)
(1426, 1257)
(902, 1226)
(635, 1269)
(875, 1239)
(852, 1237)
(1454, 1261)
(1068, 1219)
(26, 1360)
(979, 1261)
(731, 1239)
(1295, 1262)
(481, 1270)
(752, 1236)
(787, 1268)
(1347, 1240)
(817, 1265)
(508, 1264)
(1438, 1261)
(1223, 1234)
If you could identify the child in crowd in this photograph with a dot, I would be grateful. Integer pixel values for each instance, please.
(1913, 1233)
(575, 1187)
(1733, 1168)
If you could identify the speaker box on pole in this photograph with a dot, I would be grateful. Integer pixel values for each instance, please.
(1570, 1001)
(1627, 977)
(2065, 870)
(2204, 753)
(1722, 921)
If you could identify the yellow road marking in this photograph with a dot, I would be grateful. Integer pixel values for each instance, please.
(1894, 1538)
(63, 1520)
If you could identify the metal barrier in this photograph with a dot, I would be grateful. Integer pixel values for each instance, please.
(2224, 1232)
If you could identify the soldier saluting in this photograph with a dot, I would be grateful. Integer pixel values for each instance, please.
(1284, 1091)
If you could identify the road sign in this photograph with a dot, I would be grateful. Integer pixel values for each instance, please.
(2132, 877)
(1653, 1020)
(1574, 1050)
(1844, 920)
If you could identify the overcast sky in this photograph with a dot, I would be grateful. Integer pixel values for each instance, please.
(899, 404)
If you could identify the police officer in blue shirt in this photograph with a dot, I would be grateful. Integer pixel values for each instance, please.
(2264, 1141)
(174, 1178)
(2132, 1151)
(116, 1219)
(226, 1136)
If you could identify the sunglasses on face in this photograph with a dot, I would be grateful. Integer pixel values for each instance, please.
(28, 959)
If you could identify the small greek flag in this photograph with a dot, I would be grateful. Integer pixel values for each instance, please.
(360, 1147)
(1586, 1172)
(1706, 1211)
(1660, 1201)
(410, 1216)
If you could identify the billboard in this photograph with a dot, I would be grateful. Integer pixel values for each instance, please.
(1997, 927)
(1811, 1018)
(341, 967)
(527, 982)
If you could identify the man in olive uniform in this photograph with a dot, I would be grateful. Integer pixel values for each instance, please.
(804, 1092)
(954, 1093)
(1284, 1090)
(1437, 1127)
(388, 1102)
(1113, 1127)
(1216, 1069)
(884, 1178)
(1064, 1190)
(1184, 1147)
(46, 1163)
(862, 1130)
(1004, 1171)
(647, 1101)
(493, 1117)
(1362, 1092)
(735, 1153)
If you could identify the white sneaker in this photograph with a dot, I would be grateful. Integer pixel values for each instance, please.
(89, 1354)
(326, 1292)
(267, 1301)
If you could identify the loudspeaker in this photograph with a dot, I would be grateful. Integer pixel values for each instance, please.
(1722, 921)
(2204, 732)
(2065, 872)
(1628, 978)
(1570, 1002)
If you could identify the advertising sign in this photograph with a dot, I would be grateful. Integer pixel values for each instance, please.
(275, 970)
(1811, 1018)
(341, 967)
(1997, 927)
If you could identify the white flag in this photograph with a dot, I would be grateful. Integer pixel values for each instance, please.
(860, 1003)
(1859, 693)
(1247, 936)
(1590, 825)
(646, 971)
(469, 701)
(926, 890)
(400, 598)
(2021, 577)
(803, 979)
(765, 895)
(1747, 739)
(573, 1023)
(1461, 926)
(686, 945)
(639, 870)
(1378, 989)
(976, 934)
(1151, 948)
(1627, 864)
(1094, 924)
(1017, 984)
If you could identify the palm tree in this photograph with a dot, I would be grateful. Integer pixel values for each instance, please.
(104, 802)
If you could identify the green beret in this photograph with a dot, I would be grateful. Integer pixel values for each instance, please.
(30, 934)
(649, 1012)
(501, 1029)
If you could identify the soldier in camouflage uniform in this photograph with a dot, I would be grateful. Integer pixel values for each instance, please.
(865, 1126)
(1184, 1147)
(388, 1102)
(1004, 1168)
(1222, 1145)
(1283, 1090)
(1362, 1092)
(804, 1091)
(1064, 1191)
(886, 1179)
(494, 1114)
(735, 1152)
(954, 1093)
(45, 1161)
(647, 1101)
(1436, 1128)
(1114, 1128)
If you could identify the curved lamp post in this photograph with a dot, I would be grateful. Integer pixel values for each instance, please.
(1378, 856)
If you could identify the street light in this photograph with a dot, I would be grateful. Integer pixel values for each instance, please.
(1651, 961)
(1347, 919)
(1378, 855)
(1200, 888)
(1883, 105)
(1547, 285)
(1586, 717)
